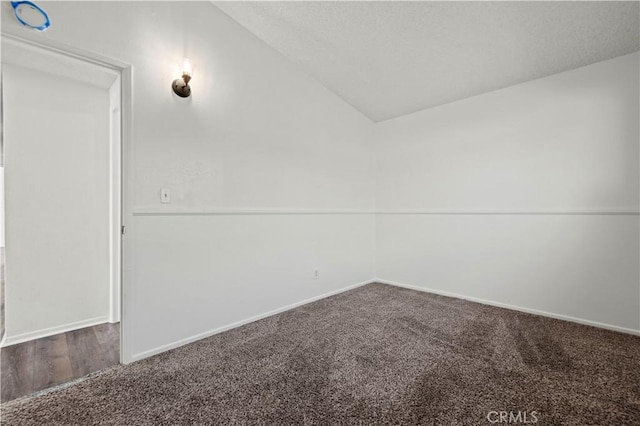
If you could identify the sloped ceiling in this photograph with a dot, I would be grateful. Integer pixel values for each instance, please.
(388, 59)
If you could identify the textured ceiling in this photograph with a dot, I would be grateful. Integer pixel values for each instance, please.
(389, 59)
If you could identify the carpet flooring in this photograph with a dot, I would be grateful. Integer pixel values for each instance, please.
(377, 354)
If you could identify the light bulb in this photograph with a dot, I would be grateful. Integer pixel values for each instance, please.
(186, 67)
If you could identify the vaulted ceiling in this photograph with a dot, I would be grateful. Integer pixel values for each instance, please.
(391, 58)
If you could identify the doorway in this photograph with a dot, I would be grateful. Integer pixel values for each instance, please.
(61, 128)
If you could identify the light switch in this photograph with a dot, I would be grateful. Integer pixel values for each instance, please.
(165, 195)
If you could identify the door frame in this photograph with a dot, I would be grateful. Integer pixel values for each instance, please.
(124, 226)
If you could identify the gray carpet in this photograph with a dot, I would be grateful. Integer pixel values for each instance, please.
(374, 355)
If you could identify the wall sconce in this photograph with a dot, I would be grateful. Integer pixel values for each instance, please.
(181, 85)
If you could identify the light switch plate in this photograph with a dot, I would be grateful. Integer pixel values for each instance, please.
(165, 195)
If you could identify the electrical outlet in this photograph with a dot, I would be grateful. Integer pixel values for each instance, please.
(165, 195)
(316, 274)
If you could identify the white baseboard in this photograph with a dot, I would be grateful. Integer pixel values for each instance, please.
(513, 307)
(32, 335)
(200, 336)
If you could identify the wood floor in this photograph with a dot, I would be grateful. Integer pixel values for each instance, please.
(42, 363)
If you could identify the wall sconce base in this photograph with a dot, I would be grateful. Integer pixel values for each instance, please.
(181, 88)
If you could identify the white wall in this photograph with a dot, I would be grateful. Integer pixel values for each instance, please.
(257, 134)
(229, 268)
(115, 206)
(2, 206)
(526, 182)
(272, 176)
(56, 145)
